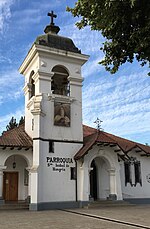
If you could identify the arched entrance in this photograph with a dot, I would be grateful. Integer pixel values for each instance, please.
(15, 179)
(93, 181)
(99, 179)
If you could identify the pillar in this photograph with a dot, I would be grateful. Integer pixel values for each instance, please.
(29, 184)
(1, 184)
(34, 189)
(89, 171)
(112, 177)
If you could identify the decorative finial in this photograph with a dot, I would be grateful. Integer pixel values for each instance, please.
(52, 28)
(52, 15)
(98, 123)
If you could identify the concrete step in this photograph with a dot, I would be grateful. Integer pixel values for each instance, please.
(14, 206)
(107, 203)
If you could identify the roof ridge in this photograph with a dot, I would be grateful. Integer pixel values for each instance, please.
(105, 133)
(121, 138)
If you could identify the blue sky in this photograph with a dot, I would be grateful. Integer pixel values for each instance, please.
(122, 100)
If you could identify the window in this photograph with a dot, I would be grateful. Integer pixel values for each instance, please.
(73, 173)
(60, 83)
(137, 169)
(32, 124)
(32, 88)
(127, 169)
(132, 170)
(51, 147)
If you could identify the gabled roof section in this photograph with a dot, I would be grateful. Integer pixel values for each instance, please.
(93, 136)
(16, 137)
(87, 130)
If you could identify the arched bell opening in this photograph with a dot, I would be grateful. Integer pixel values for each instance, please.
(60, 84)
(15, 179)
(32, 85)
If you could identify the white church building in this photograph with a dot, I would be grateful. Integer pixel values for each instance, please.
(53, 161)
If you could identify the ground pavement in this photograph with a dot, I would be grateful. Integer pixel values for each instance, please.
(57, 219)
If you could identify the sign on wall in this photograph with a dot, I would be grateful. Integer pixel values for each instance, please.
(59, 164)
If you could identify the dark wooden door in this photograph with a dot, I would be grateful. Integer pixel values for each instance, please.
(10, 191)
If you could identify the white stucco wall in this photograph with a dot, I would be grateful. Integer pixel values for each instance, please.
(23, 160)
(106, 162)
(53, 185)
(137, 191)
(41, 60)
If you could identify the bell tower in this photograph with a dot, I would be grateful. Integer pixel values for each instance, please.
(53, 86)
(53, 113)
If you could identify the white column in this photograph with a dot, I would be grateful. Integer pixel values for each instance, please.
(85, 173)
(119, 184)
(29, 181)
(1, 183)
(89, 171)
(112, 177)
(34, 188)
(80, 180)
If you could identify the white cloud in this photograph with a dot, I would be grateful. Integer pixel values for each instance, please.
(27, 17)
(33, 14)
(3, 60)
(5, 12)
(85, 39)
(122, 103)
(104, 96)
(11, 86)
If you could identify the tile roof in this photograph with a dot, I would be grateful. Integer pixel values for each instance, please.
(16, 137)
(92, 136)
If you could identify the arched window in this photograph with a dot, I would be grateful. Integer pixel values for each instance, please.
(60, 83)
(32, 85)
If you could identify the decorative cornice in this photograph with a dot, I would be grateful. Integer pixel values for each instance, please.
(30, 102)
(61, 98)
(45, 75)
(34, 168)
(27, 88)
(2, 167)
(38, 112)
(75, 79)
(30, 56)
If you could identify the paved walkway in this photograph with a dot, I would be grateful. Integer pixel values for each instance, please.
(57, 219)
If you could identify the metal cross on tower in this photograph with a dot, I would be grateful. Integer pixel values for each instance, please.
(98, 123)
(52, 15)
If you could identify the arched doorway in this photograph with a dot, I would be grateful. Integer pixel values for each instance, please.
(93, 181)
(99, 179)
(15, 179)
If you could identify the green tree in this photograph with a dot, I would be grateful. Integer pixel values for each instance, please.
(22, 120)
(12, 124)
(124, 23)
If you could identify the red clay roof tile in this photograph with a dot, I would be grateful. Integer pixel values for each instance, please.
(92, 136)
(16, 137)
